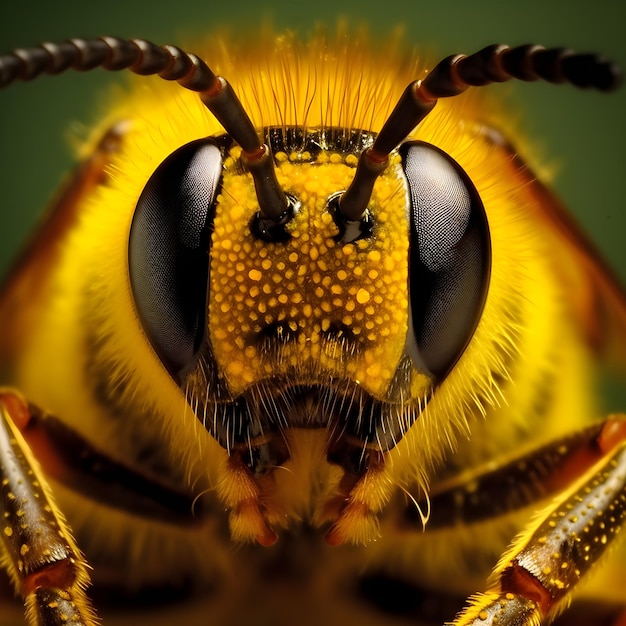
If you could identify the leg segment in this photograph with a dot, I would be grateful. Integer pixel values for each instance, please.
(516, 483)
(38, 551)
(533, 581)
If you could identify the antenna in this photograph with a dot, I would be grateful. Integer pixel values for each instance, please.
(451, 77)
(170, 63)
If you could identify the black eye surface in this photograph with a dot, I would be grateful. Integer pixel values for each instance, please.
(449, 257)
(168, 252)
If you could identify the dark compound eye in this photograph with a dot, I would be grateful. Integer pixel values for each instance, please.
(169, 252)
(449, 257)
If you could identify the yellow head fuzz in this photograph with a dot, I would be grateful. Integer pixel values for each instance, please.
(308, 286)
(344, 305)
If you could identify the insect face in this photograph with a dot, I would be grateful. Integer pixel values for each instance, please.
(294, 318)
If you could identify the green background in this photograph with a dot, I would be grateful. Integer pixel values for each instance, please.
(583, 132)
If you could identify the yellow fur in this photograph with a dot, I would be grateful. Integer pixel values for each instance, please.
(330, 81)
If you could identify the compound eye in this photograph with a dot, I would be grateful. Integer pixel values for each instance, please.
(168, 252)
(449, 257)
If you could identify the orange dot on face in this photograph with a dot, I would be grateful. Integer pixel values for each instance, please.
(255, 274)
(362, 296)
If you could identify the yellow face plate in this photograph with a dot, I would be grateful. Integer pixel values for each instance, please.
(343, 306)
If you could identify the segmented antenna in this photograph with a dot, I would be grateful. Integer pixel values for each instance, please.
(170, 63)
(452, 76)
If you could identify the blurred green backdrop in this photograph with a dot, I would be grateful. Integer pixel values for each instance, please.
(583, 132)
